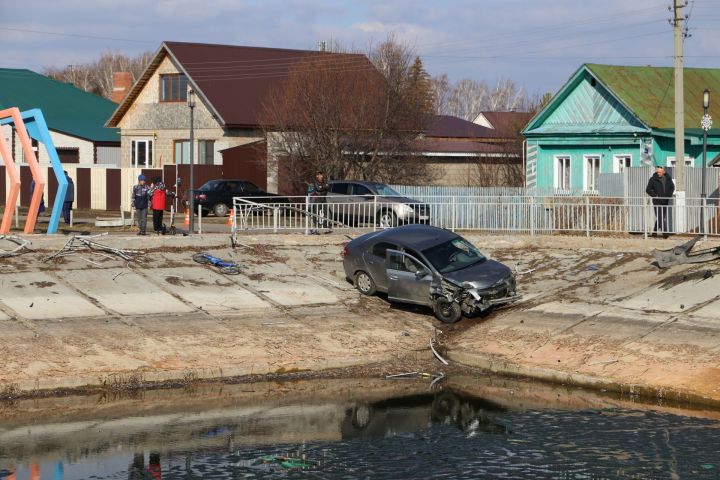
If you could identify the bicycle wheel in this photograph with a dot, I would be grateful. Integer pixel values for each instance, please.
(231, 270)
(201, 258)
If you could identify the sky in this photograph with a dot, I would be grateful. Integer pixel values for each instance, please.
(536, 43)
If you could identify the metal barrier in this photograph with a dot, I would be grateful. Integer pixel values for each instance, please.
(506, 214)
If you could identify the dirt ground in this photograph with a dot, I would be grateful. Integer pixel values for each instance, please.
(595, 312)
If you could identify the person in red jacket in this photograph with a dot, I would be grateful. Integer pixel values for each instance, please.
(158, 194)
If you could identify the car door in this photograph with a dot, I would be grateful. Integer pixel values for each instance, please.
(338, 201)
(375, 261)
(408, 278)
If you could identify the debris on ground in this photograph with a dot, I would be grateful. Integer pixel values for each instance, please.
(22, 246)
(681, 255)
(593, 267)
(85, 243)
(223, 266)
(288, 462)
(432, 347)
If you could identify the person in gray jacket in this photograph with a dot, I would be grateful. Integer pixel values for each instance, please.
(141, 202)
(69, 199)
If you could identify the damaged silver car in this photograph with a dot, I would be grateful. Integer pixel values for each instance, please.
(429, 266)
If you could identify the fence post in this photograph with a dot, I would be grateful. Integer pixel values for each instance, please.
(199, 219)
(454, 212)
(704, 217)
(532, 215)
(17, 216)
(587, 216)
(276, 215)
(374, 212)
(644, 217)
(307, 215)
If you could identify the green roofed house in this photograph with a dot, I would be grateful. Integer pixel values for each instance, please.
(76, 118)
(607, 118)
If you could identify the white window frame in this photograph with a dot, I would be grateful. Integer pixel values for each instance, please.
(557, 172)
(586, 172)
(616, 162)
(689, 161)
(149, 152)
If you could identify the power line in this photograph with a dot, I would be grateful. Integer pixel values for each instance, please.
(77, 35)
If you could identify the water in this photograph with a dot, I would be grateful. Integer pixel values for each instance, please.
(411, 434)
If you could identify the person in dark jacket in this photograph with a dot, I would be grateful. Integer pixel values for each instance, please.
(69, 199)
(41, 208)
(158, 195)
(141, 202)
(661, 188)
(318, 197)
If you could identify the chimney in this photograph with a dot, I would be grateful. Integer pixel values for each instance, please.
(122, 82)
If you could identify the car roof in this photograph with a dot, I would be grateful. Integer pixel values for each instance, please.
(417, 237)
(359, 182)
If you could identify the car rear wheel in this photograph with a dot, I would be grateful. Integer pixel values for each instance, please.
(364, 283)
(220, 210)
(446, 311)
(387, 219)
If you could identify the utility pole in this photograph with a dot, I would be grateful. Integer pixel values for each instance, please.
(679, 112)
(191, 104)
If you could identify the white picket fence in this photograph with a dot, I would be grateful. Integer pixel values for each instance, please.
(499, 214)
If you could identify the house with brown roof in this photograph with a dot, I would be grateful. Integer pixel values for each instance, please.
(230, 84)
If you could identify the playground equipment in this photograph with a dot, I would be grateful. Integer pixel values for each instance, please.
(31, 124)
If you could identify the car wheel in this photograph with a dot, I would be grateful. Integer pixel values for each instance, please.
(220, 210)
(446, 311)
(364, 283)
(387, 219)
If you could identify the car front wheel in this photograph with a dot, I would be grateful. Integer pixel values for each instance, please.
(446, 311)
(364, 283)
(387, 219)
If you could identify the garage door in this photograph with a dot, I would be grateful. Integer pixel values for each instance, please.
(68, 155)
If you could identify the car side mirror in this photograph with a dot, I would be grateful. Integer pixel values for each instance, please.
(421, 273)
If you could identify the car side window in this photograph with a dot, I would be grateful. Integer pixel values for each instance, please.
(341, 188)
(404, 263)
(356, 189)
(250, 187)
(232, 187)
(380, 249)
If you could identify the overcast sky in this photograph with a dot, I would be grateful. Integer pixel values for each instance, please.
(537, 43)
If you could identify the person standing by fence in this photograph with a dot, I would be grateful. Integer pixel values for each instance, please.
(158, 195)
(318, 197)
(69, 199)
(140, 202)
(661, 188)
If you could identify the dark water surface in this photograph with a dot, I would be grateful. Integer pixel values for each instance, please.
(428, 435)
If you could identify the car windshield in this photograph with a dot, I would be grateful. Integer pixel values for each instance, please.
(211, 185)
(453, 255)
(385, 191)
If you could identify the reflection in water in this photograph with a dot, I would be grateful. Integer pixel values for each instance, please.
(420, 436)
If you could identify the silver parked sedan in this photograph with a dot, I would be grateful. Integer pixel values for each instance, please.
(428, 266)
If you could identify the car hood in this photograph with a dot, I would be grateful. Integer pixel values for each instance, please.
(482, 275)
(398, 200)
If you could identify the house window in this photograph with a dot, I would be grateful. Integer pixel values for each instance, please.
(592, 173)
(173, 88)
(671, 162)
(142, 153)
(621, 162)
(562, 172)
(206, 152)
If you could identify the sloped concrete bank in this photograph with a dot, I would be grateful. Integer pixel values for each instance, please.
(595, 313)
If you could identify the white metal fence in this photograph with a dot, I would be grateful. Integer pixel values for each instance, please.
(502, 214)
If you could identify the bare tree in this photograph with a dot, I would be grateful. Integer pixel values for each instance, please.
(97, 76)
(467, 97)
(351, 118)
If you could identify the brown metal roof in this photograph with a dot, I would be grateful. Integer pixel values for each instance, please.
(234, 80)
(459, 147)
(509, 124)
(447, 126)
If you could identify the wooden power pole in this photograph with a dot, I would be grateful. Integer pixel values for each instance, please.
(679, 97)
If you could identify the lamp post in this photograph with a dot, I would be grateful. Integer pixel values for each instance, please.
(706, 123)
(191, 104)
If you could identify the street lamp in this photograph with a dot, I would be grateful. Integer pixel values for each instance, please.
(191, 104)
(706, 123)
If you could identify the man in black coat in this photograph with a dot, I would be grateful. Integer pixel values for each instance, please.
(661, 188)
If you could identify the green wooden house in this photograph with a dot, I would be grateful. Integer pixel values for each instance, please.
(607, 118)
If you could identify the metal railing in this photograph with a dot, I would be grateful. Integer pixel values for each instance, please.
(585, 215)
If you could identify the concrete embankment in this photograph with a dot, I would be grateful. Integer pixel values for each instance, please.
(595, 312)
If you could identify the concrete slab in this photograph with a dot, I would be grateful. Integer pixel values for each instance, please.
(39, 296)
(123, 291)
(294, 290)
(675, 297)
(711, 310)
(208, 290)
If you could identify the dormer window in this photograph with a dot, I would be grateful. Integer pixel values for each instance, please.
(173, 88)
